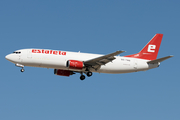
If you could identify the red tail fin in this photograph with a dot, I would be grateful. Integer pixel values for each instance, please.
(150, 51)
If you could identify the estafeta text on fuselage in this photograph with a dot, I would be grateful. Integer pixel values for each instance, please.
(54, 52)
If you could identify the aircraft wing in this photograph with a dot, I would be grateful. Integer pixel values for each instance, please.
(97, 62)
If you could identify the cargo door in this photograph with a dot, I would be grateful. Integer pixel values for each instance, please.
(135, 64)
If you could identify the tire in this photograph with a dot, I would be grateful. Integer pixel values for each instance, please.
(82, 77)
(89, 74)
(22, 70)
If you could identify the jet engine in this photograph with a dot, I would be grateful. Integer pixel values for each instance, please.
(63, 72)
(75, 64)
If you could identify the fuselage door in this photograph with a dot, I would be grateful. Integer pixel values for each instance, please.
(29, 54)
(135, 63)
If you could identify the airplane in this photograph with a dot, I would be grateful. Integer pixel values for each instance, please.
(67, 63)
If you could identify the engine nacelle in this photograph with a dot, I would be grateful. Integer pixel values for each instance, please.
(62, 72)
(75, 64)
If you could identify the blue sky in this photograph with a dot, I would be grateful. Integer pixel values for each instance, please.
(95, 27)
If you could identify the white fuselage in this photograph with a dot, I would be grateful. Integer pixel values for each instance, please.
(58, 59)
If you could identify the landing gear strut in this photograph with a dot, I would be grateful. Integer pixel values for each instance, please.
(19, 65)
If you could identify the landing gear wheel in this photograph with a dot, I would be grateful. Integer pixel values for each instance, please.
(22, 70)
(89, 74)
(82, 77)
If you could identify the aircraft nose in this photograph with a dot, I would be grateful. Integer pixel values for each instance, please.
(8, 57)
(12, 58)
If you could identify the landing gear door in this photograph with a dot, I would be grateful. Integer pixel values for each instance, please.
(29, 54)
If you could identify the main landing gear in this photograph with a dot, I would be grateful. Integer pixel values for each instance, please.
(82, 77)
(89, 74)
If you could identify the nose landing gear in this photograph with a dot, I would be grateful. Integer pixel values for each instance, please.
(22, 70)
(22, 66)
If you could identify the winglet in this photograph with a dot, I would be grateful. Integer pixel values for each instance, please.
(159, 60)
(119, 52)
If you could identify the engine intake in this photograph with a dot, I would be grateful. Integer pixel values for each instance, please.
(75, 64)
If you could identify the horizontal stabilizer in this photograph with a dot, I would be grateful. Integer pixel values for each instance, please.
(160, 59)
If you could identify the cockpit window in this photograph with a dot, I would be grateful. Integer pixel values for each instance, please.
(17, 52)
